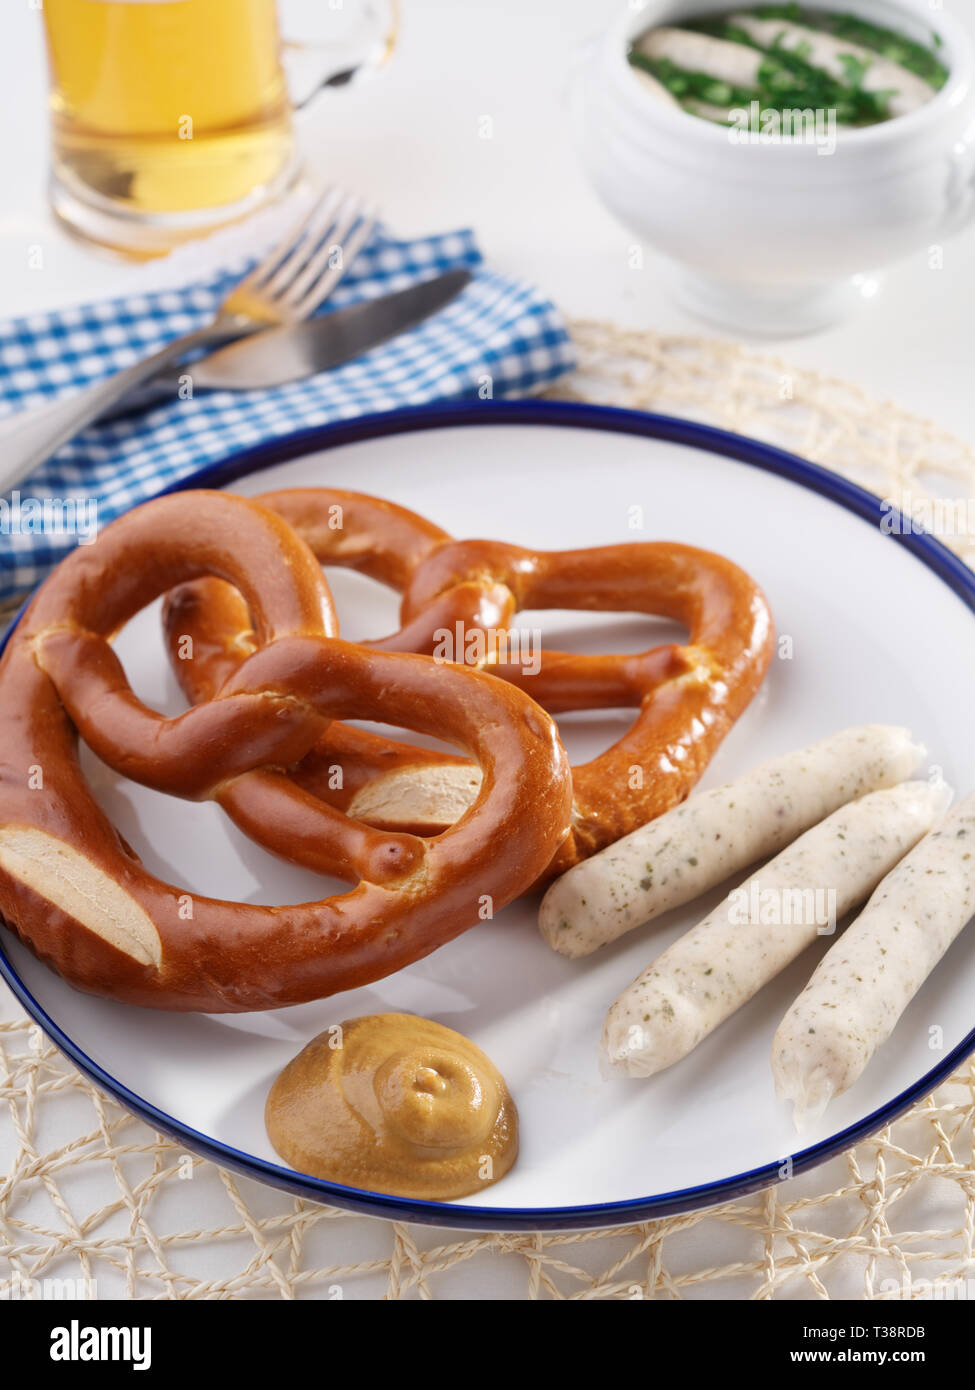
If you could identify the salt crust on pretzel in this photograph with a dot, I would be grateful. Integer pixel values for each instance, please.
(687, 696)
(80, 897)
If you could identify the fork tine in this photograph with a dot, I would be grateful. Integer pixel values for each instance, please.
(326, 236)
(281, 253)
(317, 226)
(319, 279)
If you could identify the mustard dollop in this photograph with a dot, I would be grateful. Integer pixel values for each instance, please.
(396, 1104)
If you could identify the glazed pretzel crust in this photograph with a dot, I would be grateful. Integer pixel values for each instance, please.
(686, 696)
(79, 896)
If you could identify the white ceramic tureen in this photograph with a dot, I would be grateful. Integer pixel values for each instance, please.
(772, 234)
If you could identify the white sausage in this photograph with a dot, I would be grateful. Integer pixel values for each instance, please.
(715, 834)
(866, 980)
(761, 927)
(826, 52)
(718, 58)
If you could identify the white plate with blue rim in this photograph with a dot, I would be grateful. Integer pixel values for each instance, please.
(880, 628)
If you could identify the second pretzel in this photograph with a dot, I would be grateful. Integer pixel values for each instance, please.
(686, 696)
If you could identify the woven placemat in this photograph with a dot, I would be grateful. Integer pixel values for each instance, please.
(94, 1203)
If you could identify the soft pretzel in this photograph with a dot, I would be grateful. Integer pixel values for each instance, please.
(76, 893)
(687, 696)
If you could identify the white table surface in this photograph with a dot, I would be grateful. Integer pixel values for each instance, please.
(409, 137)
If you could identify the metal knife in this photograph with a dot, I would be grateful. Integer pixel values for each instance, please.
(276, 356)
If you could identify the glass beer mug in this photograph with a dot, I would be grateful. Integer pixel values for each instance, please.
(172, 117)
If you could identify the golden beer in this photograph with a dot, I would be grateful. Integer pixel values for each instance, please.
(166, 107)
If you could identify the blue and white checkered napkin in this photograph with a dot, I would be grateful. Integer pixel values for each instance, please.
(497, 328)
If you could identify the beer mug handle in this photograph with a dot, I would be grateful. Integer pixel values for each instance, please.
(348, 37)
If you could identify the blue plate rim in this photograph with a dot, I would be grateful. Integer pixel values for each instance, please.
(671, 429)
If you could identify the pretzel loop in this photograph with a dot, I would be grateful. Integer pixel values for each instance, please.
(688, 696)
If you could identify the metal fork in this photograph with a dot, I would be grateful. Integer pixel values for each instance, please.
(287, 286)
